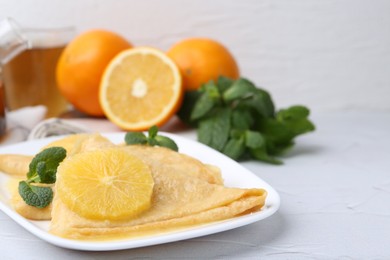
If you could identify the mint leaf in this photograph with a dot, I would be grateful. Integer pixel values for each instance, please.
(36, 196)
(135, 138)
(261, 154)
(274, 148)
(214, 130)
(224, 83)
(189, 100)
(261, 102)
(42, 169)
(204, 104)
(166, 142)
(235, 148)
(293, 112)
(153, 132)
(254, 140)
(295, 118)
(209, 99)
(288, 124)
(152, 142)
(51, 157)
(241, 88)
(242, 119)
(275, 131)
(300, 126)
(45, 175)
(153, 139)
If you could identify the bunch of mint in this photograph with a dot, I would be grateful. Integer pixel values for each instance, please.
(153, 139)
(239, 119)
(42, 169)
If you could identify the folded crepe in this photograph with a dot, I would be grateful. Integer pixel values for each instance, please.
(181, 197)
(186, 193)
(158, 158)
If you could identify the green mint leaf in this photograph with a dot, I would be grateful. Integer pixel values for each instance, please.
(51, 157)
(262, 155)
(296, 120)
(189, 100)
(261, 102)
(240, 88)
(153, 132)
(234, 148)
(237, 133)
(293, 113)
(36, 196)
(275, 130)
(204, 104)
(152, 142)
(278, 148)
(214, 130)
(166, 142)
(301, 126)
(135, 138)
(224, 83)
(45, 176)
(242, 119)
(254, 140)
(209, 99)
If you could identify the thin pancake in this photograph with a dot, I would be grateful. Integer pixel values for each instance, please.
(178, 200)
(164, 159)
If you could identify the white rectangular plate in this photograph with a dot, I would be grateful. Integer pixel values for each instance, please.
(233, 174)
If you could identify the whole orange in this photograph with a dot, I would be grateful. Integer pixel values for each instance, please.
(201, 60)
(81, 66)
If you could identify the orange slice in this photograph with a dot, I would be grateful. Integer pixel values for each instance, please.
(106, 184)
(141, 87)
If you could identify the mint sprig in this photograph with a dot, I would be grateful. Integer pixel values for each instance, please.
(153, 139)
(239, 119)
(36, 196)
(42, 169)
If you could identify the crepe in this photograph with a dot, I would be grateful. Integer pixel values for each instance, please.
(15, 165)
(181, 198)
(186, 192)
(166, 160)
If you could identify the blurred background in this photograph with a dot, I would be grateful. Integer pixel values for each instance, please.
(331, 55)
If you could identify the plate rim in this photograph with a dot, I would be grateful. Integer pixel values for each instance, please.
(271, 206)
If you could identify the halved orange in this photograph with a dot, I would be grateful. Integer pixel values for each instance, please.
(141, 87)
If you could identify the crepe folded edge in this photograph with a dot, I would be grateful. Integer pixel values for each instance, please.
(250, 201)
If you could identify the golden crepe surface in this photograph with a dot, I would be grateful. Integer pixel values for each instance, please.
(164, 159)
(186, 193)
(15, 165)
(181, 197)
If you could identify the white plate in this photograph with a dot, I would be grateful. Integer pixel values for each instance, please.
(233, 173)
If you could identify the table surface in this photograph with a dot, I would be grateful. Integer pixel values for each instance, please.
(335, 193)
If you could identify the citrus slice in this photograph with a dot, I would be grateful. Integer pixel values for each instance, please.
(141, 87)
(106, 184)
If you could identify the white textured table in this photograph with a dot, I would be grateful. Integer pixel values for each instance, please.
(335, 192)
